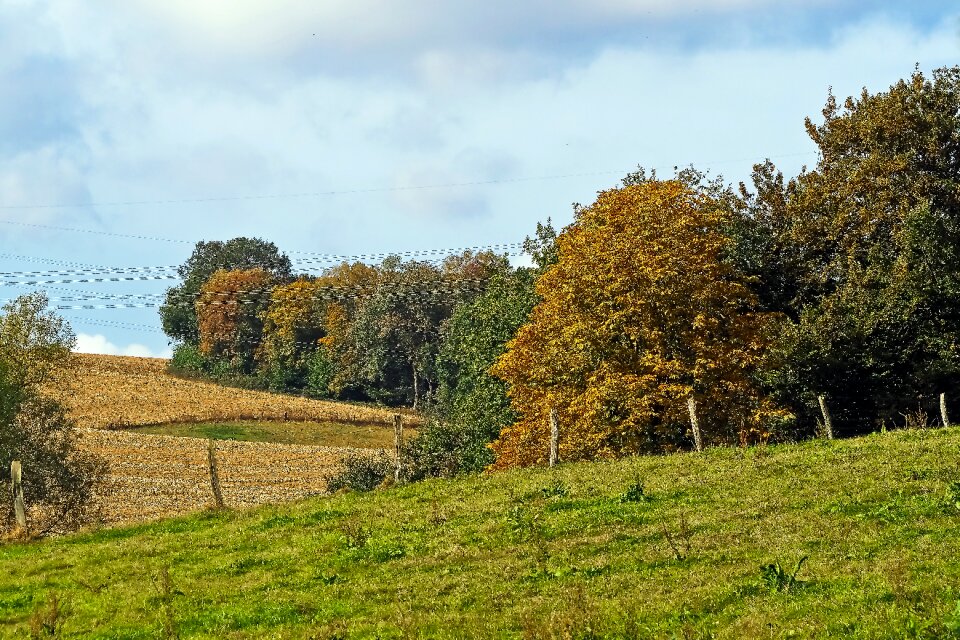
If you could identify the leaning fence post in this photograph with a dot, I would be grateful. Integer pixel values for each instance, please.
(17, 481)
(214, 475)
(554, 436)
(827, 422)
(397, 445)
(943, 410)
(694, 423)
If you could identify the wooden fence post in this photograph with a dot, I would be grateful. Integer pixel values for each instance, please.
(694, 423)
(554, 436)
(943, 410)
(827, 422)
(17, 481)
(398, 445)
(214, 474)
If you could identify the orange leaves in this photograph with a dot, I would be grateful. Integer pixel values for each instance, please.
(229, 308)
(639, 310)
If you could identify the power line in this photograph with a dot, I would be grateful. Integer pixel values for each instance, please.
(330, 293)
(508, 248)
(316, 194)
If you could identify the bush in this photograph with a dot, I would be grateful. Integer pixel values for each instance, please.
(360, 472)
(58, 477)
(188, 359)
(320, 373)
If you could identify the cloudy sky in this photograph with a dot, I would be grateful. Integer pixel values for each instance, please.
(130, 129)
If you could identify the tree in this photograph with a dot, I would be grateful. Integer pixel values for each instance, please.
(639, 313)
(292, 327)
(471, 405)
(59, 477)
(230, 310)
(178, 313)
(861, 252)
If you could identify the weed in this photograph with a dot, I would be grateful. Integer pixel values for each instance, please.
(556, 490)
(916, 419)
(438, 516)
(680, 542)
(952, 621)
(777, 579)
(953, 494)
(526, 527)
(635, 493)
(164, 586)
(47, 619)
(355, 535)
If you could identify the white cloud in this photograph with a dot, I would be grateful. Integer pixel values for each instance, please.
(87, 343)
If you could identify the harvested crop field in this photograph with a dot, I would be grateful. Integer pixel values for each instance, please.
(110, 392)
(152, 476)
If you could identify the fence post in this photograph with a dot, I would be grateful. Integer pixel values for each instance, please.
(214, 474)
(17, 481)
(943, 410)
(397, 445)
(694, 423)
(827, 422)
(554, 436)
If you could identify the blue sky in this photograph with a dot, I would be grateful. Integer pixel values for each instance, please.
(210, 121)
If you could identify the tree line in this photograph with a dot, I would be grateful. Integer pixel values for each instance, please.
(746, 301)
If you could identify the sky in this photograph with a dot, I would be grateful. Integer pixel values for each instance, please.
(131, 129)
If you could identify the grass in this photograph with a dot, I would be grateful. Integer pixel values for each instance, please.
(327, 434)
(673, 547)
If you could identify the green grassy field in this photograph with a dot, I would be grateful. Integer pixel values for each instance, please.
(328, 434)
(670, 547)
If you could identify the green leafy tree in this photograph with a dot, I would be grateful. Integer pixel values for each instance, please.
(861, 252)
(58, 476)
(178, 313)
(471, 405)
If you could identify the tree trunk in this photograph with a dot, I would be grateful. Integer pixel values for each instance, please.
(694, 423)
(19, 509)
(398, 445)
(827, 422)
(943, 410)
(554, 437)
(416, 386)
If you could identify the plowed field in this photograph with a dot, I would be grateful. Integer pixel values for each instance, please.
(108, 392)
(154, 476)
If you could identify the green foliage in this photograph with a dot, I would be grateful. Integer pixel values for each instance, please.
(777, 579)
(635, 493)
(863, 255)
(58, 477)
(187, 359)
(471, 405)
(360, 472)
(178, 313)
(320, 373)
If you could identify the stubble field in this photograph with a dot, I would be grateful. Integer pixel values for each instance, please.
(155, 476)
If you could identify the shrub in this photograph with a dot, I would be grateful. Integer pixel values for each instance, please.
(58, 477)
(360, 472)
(188, 359)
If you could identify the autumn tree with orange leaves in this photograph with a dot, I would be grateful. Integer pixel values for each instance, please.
(229, 310)
(639, 313)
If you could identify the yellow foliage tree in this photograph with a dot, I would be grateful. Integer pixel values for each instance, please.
(639, 313)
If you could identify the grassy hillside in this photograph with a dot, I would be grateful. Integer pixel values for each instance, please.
(645, 547)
